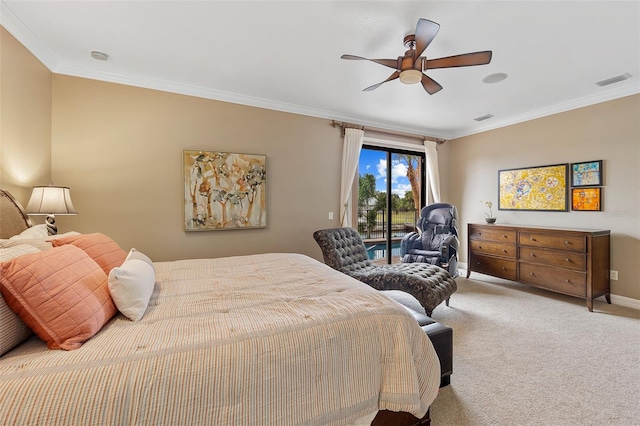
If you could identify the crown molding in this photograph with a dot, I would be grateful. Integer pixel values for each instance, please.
(609, 95)
(14, 26)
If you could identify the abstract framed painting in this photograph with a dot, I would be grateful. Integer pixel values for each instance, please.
(586, 199)
(224, 190)
(588, 173)
(542, 188)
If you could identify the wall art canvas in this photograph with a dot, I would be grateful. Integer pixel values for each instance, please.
(224, 190)
(586, 199)
(588, 173)
(534, 188)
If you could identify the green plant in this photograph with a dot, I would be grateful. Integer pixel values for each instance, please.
(489, 204)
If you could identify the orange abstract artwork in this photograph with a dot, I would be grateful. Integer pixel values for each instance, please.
(586, 199)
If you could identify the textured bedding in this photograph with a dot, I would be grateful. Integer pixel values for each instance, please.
(271, 339)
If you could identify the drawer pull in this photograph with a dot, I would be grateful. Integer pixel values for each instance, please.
(532, 239)
(532, 274)
(479, 247)
(567, 260)
(504, 268)
(505, 236)
(567, 243)
(532, 254)
(504, 250)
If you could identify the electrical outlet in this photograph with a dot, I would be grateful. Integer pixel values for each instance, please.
(613, 274)
(330, 215)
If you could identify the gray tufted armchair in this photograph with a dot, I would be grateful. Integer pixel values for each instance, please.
(343, 250)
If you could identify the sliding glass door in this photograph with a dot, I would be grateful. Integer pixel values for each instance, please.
(390, 195)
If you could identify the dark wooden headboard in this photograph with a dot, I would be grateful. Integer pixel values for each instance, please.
(13, 219)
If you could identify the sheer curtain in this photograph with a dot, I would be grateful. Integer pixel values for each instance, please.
(353, 139)
(433, 173)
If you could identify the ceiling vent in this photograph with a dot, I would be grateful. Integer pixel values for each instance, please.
(484, 117)
(612, 80)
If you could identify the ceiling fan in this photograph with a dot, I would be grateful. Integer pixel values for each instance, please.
(409, 68)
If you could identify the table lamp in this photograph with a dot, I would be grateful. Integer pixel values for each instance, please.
(50, 200)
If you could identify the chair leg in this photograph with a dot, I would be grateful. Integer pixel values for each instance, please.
(447, 301)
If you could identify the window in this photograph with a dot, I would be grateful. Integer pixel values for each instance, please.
(390, 195)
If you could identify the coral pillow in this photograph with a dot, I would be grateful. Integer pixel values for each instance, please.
(61, 294)
(106, 252)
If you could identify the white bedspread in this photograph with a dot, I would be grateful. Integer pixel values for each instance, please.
(272, 339)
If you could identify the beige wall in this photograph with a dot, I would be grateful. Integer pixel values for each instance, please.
(119, 148)
(608, 131)
(25, 119)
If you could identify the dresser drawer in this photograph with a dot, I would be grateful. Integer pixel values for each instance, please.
(563, 259)
(555, 241)
(492, 234)
(487, 247)
(561, 280)
(502, 268)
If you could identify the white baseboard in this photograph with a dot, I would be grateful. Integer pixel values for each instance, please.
(627, 302)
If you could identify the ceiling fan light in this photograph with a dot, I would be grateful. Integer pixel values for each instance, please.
(411, 76)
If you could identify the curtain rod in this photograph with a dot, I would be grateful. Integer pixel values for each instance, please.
(343, 125)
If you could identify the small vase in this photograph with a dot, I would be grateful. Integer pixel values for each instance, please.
(490, 219)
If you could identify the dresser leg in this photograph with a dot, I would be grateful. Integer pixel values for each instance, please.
(468, 272)
(590, 304)
(608, 297)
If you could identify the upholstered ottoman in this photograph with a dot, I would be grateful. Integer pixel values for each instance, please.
(440, 335)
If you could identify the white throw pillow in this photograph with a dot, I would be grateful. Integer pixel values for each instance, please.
(135, 254)
(37, 231)
(131, 286)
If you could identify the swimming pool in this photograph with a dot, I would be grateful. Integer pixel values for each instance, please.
(379, 251)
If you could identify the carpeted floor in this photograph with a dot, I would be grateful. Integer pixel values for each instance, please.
(524, 356)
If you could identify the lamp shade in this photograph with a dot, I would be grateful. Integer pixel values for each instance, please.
(50, 200)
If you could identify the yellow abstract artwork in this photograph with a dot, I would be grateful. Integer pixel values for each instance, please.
(534, 188)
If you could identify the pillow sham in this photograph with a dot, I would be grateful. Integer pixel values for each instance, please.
(36, 231)
(61, 294)
(102, 249)
(12, 330)
(131, 286)
(39, 243)
(42, 243)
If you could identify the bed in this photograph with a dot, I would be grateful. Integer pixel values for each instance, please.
(268, 339)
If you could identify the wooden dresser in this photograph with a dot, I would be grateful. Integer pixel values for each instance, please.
(568, 261)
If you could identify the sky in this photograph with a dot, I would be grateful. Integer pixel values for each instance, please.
(375, 163)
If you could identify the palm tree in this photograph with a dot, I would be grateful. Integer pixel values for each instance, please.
(413, 174)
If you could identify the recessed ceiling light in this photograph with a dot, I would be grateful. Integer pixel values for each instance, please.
(100, 56)
(494, 78)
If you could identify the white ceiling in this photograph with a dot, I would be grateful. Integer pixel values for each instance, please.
(285, 55)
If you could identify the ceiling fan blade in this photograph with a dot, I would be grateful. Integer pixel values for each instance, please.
(464, 60)
(425, 33)
(391, 63)
(430, 85)
(375, 86)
